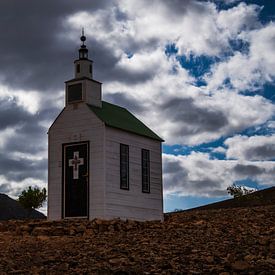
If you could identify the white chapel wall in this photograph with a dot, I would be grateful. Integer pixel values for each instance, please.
(132, 203)
(74, 125)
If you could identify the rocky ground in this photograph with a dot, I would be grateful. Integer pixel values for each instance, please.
(228, 241)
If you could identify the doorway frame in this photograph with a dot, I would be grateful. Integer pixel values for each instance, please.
(64, 145)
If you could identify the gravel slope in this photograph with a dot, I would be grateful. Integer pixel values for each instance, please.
(224, 241)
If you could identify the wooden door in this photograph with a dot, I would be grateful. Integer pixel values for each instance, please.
(75, 180)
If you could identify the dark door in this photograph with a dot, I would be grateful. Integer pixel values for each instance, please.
(75, 195)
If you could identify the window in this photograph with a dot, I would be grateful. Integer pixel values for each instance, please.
(145, 168)
(74, 92)
(78, 68)
(90, 69)
(124, 166)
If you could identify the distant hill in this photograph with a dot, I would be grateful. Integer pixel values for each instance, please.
(11, 209)
(258, 198)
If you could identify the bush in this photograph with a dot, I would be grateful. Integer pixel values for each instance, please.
(32, 198)
(238, 191)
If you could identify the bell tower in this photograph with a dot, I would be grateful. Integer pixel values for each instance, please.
(83, 88)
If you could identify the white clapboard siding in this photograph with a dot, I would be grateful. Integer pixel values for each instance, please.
(132, 203)
(78, 123)
(74, 125)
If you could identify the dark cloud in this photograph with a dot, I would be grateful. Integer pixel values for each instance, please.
(31, 142)
(105, 62)
(11, 114)
(263, 152)
(205, 187)
(35, 53)
(172, 167)
(20, 169)
(32, 54)
(29, 136)
(248, 170)
(125, 101)
(194, 119)
(178, 178)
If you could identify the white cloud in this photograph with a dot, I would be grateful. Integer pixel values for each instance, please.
(195, 27)
(271, 124)
(29, 100)
(228, 2)
(14, 188)
(190, 115)
(198, 175)
(248, 71)
(237, 19)
(251, 148)
(171, 102)
(219, 149)
(144, 29)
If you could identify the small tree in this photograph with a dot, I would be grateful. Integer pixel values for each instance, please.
(238, 191)
(32, 198)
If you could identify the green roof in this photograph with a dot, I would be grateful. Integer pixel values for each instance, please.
(118, 117)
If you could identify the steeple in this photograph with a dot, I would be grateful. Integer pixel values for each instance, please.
(83, 88)
(83, 65)
(83, 51)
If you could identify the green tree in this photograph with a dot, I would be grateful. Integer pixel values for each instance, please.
(32, 198)
(238, 191)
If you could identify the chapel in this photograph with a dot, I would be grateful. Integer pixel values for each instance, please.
(103, 161)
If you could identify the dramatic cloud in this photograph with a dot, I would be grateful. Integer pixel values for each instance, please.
(194, 71)
(32, 53)
(199, 175)
(251, 148)
(248, 71)
(161, 86)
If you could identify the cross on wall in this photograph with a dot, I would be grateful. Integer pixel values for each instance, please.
(75, 163)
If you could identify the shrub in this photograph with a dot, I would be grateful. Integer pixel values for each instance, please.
(32, 198)
(238, 191)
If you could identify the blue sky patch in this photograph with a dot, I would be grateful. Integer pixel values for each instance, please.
(196, 65)
(174, 202)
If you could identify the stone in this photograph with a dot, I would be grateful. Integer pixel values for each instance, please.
(249, 258)
(263, 240)
(80, 229)
(240, 265)
(59, 231)
(116, 261)
(2, 227)
(39, 231)
(272, 247)
(209, 259)
(271, 261)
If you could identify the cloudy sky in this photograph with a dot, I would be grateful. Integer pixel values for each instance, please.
(199, 73)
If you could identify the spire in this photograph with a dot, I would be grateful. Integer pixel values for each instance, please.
(83, 37)
(83, 51)
(83, 65)
(83, 88)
